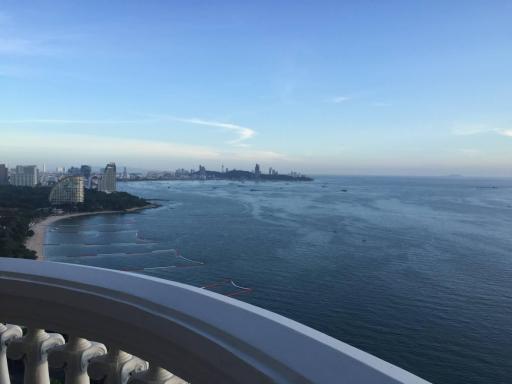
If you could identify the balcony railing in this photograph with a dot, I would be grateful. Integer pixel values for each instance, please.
(179, 333)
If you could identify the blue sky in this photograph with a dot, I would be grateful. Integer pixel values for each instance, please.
(341, 87)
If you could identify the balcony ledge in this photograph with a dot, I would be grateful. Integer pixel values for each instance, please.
(200, 336)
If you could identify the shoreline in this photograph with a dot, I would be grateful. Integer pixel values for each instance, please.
(36, 241)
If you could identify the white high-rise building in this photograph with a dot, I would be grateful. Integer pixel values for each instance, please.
(25, 176)
(69, 190)
(108, 182)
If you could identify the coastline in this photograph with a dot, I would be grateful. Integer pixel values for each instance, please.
(36, 242)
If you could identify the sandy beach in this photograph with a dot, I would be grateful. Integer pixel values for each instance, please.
(36, 242)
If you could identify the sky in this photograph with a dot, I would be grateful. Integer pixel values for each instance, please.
(320, 87)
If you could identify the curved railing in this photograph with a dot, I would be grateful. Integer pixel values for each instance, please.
(199, 336)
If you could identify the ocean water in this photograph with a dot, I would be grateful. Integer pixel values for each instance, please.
(417, 271)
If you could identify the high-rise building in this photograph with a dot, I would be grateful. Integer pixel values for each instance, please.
(4, 174)
(69, 190)
(108, 182)
(257, 171)
(202, 172)
(94, 182)
(74, 171)
(125, 174)
(25, 176)
(86, 170)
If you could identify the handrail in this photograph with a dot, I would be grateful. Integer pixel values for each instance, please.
(200, 336)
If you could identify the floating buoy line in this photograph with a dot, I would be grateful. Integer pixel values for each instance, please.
(224, 287)
(190, 262)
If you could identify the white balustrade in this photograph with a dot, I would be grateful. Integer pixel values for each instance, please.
(33, 348)
(116, 367)
(155, 375)
(200, 336)
(8, 333)
(74, 357)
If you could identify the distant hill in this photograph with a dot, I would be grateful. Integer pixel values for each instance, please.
(247, 175)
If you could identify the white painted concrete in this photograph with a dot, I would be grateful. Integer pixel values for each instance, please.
(200, 336)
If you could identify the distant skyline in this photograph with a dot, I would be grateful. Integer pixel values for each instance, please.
(320, 87)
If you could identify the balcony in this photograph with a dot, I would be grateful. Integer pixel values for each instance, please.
(147, 330)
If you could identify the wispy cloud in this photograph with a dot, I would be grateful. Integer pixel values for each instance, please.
(339, 99)
(255, 155)
(79, 146)
(478, 129)
(461, 129)
(105, 145)
(351, 96)
(73, 121)
(243, 133)
(470, 152)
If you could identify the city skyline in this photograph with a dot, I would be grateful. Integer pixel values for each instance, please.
(88, 170)
(322, 88)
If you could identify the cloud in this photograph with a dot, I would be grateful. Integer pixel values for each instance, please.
(72, 148)
(470, 129)
(340, 99)
(470, 152)
(243, 133)
(76, 144)
(478, 129)
(74, 121)
(256, 155)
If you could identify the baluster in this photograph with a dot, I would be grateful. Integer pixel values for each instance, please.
(74, 356)
(8, 333)
(33, 348)
(116, 366)
(155, 375)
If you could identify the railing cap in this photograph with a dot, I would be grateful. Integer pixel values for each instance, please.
(196, 334)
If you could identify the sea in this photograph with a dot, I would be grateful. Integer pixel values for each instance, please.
(416, 271)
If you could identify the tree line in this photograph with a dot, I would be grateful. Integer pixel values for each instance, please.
(20, 206)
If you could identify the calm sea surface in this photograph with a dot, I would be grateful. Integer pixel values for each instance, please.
(417, 271)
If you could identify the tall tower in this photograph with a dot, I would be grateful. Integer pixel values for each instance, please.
(25, 176)
(4, 174)
(108, 182)
(85, 171)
